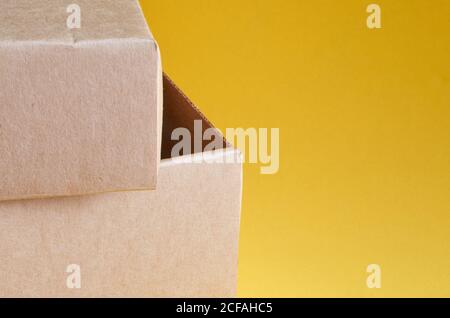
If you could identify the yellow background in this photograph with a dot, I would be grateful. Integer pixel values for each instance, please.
(365, 136)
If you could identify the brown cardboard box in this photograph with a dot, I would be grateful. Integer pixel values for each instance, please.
(178, 241)
(80, 109)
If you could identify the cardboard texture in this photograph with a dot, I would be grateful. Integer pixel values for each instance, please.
(178, 241)
(80, 109)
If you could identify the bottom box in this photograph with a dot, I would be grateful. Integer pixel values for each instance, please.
(178, 241)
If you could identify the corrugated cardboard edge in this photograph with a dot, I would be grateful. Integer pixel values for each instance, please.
(160, 106)
(160, 93)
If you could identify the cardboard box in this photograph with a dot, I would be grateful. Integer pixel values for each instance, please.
(80, 109)
(178, 241)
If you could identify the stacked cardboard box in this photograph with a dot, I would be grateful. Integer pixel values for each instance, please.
(93, 202)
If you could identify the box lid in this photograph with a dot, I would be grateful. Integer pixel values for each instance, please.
(81, 108)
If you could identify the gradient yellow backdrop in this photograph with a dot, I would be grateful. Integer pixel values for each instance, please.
(365, 136)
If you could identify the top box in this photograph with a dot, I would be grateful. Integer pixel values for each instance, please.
(80, 108)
